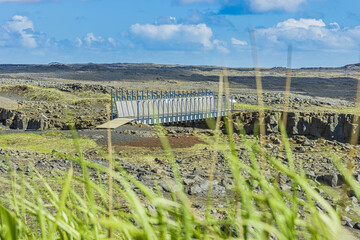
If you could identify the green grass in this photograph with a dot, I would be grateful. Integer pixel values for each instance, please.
(312, 109)
(77, 206)
(34, 93)
(46, 143)
(335, 194)
(345, 110)
(246, 106)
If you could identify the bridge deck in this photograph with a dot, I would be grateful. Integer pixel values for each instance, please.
(117, 122)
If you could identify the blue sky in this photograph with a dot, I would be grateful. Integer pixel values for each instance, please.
(203, 32)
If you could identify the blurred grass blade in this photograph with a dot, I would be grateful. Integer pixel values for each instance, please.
(8, 224)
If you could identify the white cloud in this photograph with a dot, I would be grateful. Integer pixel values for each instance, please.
(175, 33)
(91, 38)
(334, 26)
(302, 23)
(221, 46)
(19, 23)
(94, 42)
(165, 20)
(20, 27)
(112, 41)
(312, 31)
(78, 42)
(274, 5)
(238, 42)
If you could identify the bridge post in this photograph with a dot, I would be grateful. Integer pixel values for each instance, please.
(189, 104)
(112, 110)
(137, 110)
(232, 104)
(181, 110)
(186, 106)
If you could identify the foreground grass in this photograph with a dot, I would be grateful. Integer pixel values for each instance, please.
(120, 207)
(115, 205)
(43, 143)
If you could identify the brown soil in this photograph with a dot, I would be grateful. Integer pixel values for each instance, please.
(175, 142)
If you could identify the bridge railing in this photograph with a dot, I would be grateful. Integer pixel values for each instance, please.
(126, 95)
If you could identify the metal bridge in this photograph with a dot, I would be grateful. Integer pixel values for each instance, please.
(153, 107)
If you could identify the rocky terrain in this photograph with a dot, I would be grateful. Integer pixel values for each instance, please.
(38, 105)
(151, 167)
(47, 98)
(339, 83)
(324, 88)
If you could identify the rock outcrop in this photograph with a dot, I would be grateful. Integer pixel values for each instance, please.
(15, 119)
(328, 125)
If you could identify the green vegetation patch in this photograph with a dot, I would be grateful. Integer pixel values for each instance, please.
(246, 106)
(32, 142)
(330, 109)
(84, 207)
(34, 93)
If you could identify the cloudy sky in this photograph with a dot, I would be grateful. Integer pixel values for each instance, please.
(204, 32)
